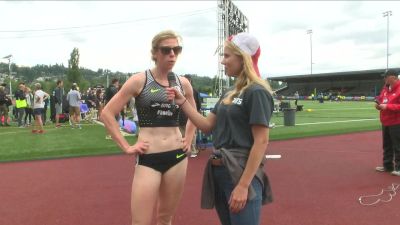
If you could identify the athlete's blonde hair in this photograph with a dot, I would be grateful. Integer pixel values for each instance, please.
(163, 35)
(246, 77)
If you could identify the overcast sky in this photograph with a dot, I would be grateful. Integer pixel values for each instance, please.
(346, 36)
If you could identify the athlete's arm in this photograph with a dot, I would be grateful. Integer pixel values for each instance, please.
(130, 89)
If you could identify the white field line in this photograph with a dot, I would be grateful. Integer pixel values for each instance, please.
(46, 129)
(55, 149)
(8, 133)
(329, 122)
(273, 156)
(122, 132)
(67, 126)
(340, 109)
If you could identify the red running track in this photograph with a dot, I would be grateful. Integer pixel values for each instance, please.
(316, 182)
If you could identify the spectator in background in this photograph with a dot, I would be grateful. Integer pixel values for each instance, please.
(135, 118)
(74, 98)
(110, 92)
(20, 103)
(58, 99)
(321, 97)
(29, 106)
(44, 114)
(99, 102)
(5, 102)
(91, 99)
(388, 104)
(5, 88)
(296, 97)
(91, 103)
(38, 108)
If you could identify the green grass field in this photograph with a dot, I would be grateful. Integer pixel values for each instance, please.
(18, 144)
(327, 118)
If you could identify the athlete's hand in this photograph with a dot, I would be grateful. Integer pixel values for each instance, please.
(175, 93)
(238, 198)
(139, 148)
(186, 145)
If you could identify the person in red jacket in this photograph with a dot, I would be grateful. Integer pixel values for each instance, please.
(388, 104)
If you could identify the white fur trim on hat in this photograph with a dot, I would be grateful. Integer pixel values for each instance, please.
(246, 43)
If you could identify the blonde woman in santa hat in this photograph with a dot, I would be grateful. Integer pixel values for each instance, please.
(234, 180)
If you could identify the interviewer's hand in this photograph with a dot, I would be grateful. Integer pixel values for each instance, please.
(174, 93)
(137, 149)
(238, 198)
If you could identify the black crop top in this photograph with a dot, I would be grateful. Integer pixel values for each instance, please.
(153, 108)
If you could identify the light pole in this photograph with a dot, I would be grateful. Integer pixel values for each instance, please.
(107, 80)
(9, 69)
(310, 33)
(387, 14)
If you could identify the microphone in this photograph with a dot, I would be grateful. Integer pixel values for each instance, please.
(172, 83)
(171, 79)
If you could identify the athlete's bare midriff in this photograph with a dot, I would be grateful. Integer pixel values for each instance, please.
(161, 139)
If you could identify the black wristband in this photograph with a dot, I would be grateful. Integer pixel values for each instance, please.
(183, 102)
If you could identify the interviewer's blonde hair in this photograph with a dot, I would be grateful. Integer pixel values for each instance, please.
(246, 77)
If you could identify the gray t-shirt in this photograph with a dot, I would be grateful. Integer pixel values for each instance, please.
(233, 125)
(58, 95)
(74, 98)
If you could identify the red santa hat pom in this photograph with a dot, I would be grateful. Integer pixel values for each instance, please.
(248, 44)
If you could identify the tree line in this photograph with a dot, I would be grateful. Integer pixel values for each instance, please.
(86, 78)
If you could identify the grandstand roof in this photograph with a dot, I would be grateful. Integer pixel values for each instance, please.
(335, 76)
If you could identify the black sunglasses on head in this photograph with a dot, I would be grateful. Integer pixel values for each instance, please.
(165, 50)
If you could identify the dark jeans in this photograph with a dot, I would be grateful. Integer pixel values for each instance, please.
(28, 115)
(44, 115)
(20, 113)
(249, 215)
(391, 147)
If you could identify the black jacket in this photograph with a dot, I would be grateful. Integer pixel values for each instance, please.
(19, 94)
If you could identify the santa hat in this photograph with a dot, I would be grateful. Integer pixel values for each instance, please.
(248, 44)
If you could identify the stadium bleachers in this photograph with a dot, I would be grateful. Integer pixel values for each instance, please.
(367, 83)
